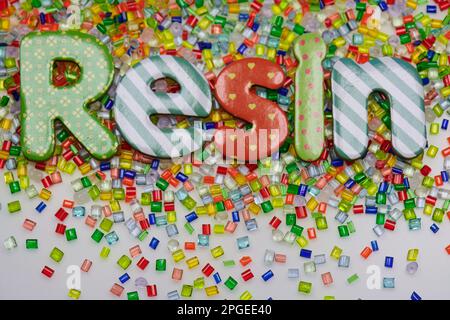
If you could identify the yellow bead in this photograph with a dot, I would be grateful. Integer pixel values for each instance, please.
(428, 209)
(278, 202)
(105, 252)
(192, 262)
(217, 252)
(246, 296)
(312, 204)
(171, 217)
(178, 255)
(211, 291)
(45, 194)
(254, 208)
(336, 252)
(74, 294)
(219, 229)
(302, 241)
(106, 195)
(432, 151)
(412, 254)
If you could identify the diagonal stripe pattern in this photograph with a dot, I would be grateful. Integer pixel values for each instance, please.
(352, 84)
(136, 101)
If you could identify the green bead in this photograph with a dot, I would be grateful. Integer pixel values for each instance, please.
(321, 223)
(94, 192)
(230, 283)
(381, 198)
(186, 291)
(143, 235)
(97, 236)
(409, 203)
(199, 283)
(161, 265)
(71, 234)
(134, 295)
(86, 182)
(124, 262)
(351, 227)
(36, 3)
(118, 194)
(31, 243)
(297, 230)
(14, 206)
(15, 151)
(4, 101)
(291, 219)
(56, 254)
(106, 224)
(292, 189)
(343, 231)
(298, 29)
(146, 199)
(220, 206)
(14, 187)
(162, 184)
(304, 287)
(352, 278)
(380, 219)
(189, 228)
(267, 206)
(156, 206)
(229, 263)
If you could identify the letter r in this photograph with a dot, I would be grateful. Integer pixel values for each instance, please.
(43, 103)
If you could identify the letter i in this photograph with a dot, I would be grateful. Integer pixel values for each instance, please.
(309, 122)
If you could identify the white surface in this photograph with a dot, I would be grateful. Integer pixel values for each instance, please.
(21, 277)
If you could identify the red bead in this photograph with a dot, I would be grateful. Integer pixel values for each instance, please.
(156, 195)
(142, 263)
(229, 205)
(47, 182)
(301, 212)
(402, 195)
(145, 224)
(206, 229)
(222, 170)
(448, 249)
(289, 199)
(247, 275)
(207, 270)
(61, 214)
(275, 222)
(47, 271)
(311, 233)
(68, 204)
(389, 225)
(425, 171)
(430, 200)
(152, 291)
(189, 245)
(60, 228)
(358, 209)
(265, 192)
(169, 206)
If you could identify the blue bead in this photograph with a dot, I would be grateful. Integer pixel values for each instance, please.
(204, 45)
(255, 27)
(281, 53)
(191, 216)
(181, 177)
(444, 124)
(406, 183)
(235, 216)
(371, 210)
(374, 245)
(304, 253)
(42, 17)
(425, 81)
(16, 95)
(383, 5)
(155, 164)
(444, 176)
(397, 170)
(109, 104)
(209, 125)
(177, 19)
(121, 173)
(243, 17)
(350, 183)
(383, 187)
(430, 54)
(217, 278)
(129, 174)
(153, 243)
(41, 206)
(434, 228)
(266, 276)
(302, 190)
(124, 278)
(337, 163)
(388, 262)
(105, 166)
(431, 9)
(242, 48)
(152, 218)
(283, 91)
(243, 242)
(415, 296)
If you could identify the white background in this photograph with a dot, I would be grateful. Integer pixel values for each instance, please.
(21, 278)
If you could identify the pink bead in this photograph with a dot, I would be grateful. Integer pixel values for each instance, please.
(246, 215)
(117, 290)
(327, 279)
(86, 266)
(177, 274)
(106, 210)
(90, 221)
(135, 251)
(230, 226)
(56, 177)
(29, 224)
(280, 258)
